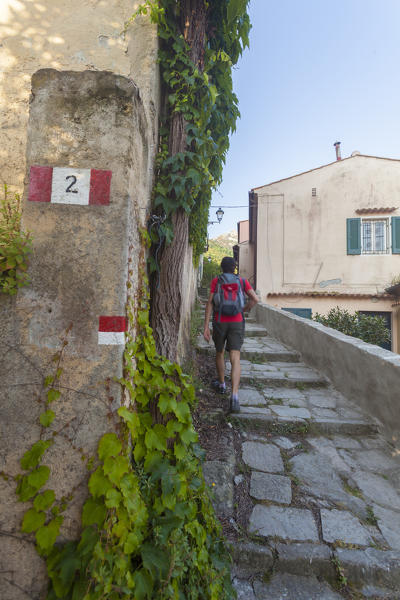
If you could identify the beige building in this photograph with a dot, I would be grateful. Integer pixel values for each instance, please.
(329, 237)
(243, 252)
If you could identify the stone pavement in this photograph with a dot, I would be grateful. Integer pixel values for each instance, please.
(321, 484)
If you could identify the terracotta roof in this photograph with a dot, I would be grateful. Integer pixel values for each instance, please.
(322, 167)
(365, 211)
(382, 296)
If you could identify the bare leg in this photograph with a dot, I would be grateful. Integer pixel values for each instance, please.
(234, 356)
(220, 365)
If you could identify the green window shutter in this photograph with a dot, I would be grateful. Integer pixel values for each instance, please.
(306, 313)
(354, 236)
(395, 235)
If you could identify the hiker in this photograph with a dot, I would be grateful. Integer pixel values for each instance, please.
(227, 297)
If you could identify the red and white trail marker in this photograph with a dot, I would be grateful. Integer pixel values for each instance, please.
(68, 185)
(112, 331)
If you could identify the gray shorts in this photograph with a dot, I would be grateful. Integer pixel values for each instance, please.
(230, 333)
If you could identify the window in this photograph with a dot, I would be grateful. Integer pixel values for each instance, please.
(374, 236)
(300, 312)
(371, 236)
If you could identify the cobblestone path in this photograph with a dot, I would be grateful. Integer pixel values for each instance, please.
(323, 485)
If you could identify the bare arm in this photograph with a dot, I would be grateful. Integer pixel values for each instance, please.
(207, 334)
(252, 300)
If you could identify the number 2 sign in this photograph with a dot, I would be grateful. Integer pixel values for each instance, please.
(68, 185)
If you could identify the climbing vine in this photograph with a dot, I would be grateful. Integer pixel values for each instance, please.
(204, 97)
(15, 245)
(149, 529)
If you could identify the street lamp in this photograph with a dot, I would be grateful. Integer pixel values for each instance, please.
(220, 214)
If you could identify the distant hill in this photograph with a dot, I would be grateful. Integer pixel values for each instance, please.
(217, 248)
(226, 240)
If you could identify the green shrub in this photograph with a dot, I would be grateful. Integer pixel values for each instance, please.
(15, 245)
(369, 329)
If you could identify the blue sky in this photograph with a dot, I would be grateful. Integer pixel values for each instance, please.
(316, 72)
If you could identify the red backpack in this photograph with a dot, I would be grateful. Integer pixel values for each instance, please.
(229, 299)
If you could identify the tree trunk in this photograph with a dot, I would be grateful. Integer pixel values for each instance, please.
(167, 297)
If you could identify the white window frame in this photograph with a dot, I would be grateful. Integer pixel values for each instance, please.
(372, 249)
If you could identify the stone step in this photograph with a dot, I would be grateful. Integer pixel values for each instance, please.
(321, 410)
(293, 567)
(268, 423)
(258, 349)
(253, 329)
(279, 373)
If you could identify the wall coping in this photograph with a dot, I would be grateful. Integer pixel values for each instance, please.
(366, 374)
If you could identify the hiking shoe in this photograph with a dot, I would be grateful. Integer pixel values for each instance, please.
(219, 387)
(235, 406)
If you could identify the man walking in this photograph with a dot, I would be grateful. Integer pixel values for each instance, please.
(228, 328)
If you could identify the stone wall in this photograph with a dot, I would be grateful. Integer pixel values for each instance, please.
(365, 374)
(84, 254)
(79, 100)
(78, 35)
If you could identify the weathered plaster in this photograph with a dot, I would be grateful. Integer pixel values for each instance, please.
(79, 272)
(302, 238)
(67, 35)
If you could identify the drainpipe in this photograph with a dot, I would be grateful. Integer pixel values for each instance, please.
(337, 148)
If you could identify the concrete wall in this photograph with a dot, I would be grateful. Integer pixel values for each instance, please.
(301, 243)
(365, 374)
(322, 305)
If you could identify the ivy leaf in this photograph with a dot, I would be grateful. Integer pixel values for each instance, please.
(113, 498)
(45, 500)
(88, 541)
(53, 395)
(38, 477)
(132, 542)
(99, 484)
(182, 412)
(143, 584)
(47, 418)
(109, 445)
(115, 468)
(25, 491)
(93, 513)
(155, 560)
(32, 520)
(32, 457)
(165, 525)
(47, 535)
(196, 483)
(166, 403)
(48, 380)
(179, 451)
(131, 418)
(152, 441)
(188, 436)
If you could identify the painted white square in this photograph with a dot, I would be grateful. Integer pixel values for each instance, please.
(112, 338)
(70, 186)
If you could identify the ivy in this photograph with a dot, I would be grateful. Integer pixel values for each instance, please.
(15, 245)
(148, 527)
(206, 100)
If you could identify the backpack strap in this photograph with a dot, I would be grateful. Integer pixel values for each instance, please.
(220, 292)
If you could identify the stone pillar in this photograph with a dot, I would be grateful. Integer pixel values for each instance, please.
(89, 131)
